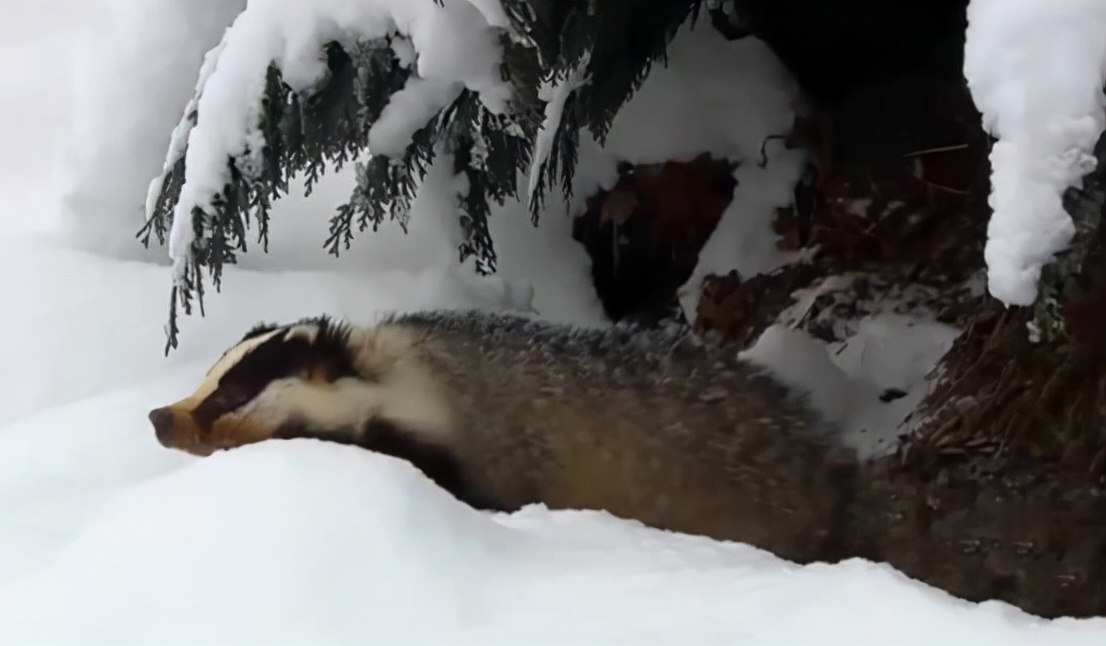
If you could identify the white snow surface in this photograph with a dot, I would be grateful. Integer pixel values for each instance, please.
(105, 537)
(1036, 72)
(304, 542)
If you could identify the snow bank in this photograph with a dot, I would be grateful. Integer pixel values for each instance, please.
(725, 98)
(1036, 71)
(309, 542)
(58, 469)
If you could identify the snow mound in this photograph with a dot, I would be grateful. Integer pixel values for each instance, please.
(310, 542)
(221, 550)
(58, 469)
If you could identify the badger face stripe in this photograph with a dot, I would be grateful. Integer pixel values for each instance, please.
(298, 351)
(309, 329)
(235, 353)
(231, 382)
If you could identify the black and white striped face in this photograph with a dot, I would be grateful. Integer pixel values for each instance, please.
(270, 380)
(314, 378)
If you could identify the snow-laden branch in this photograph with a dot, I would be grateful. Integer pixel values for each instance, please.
(555, 93)
(1036, 71)
(454, 48)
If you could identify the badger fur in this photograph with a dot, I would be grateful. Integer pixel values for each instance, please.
(503, 411)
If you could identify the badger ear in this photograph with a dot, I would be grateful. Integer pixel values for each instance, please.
(320, 330)
(307, 332)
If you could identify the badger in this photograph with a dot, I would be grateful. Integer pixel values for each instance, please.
(504, 411)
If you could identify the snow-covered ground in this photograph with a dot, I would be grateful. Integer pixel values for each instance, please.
(105, 537)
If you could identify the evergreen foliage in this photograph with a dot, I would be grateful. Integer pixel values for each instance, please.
(305, 133)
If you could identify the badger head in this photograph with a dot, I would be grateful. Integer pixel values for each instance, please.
(313, 378)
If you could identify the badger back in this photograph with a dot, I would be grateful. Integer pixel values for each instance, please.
(669, 372)
(652, 425)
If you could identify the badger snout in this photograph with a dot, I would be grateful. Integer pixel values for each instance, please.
(162, 419)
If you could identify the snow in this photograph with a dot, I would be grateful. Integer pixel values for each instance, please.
(1036, 72)
(106, 537)
(407, 111)
(847, 379)
(308, 542)
(555, 93)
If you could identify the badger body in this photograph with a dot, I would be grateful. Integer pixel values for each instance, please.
(647, 425)
(504, 411)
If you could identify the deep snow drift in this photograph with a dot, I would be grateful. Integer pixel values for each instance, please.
(306, 542)
(105, 537)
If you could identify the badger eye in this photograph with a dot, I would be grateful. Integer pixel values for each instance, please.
(229, 398)
(319, 372)
(218, 401)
